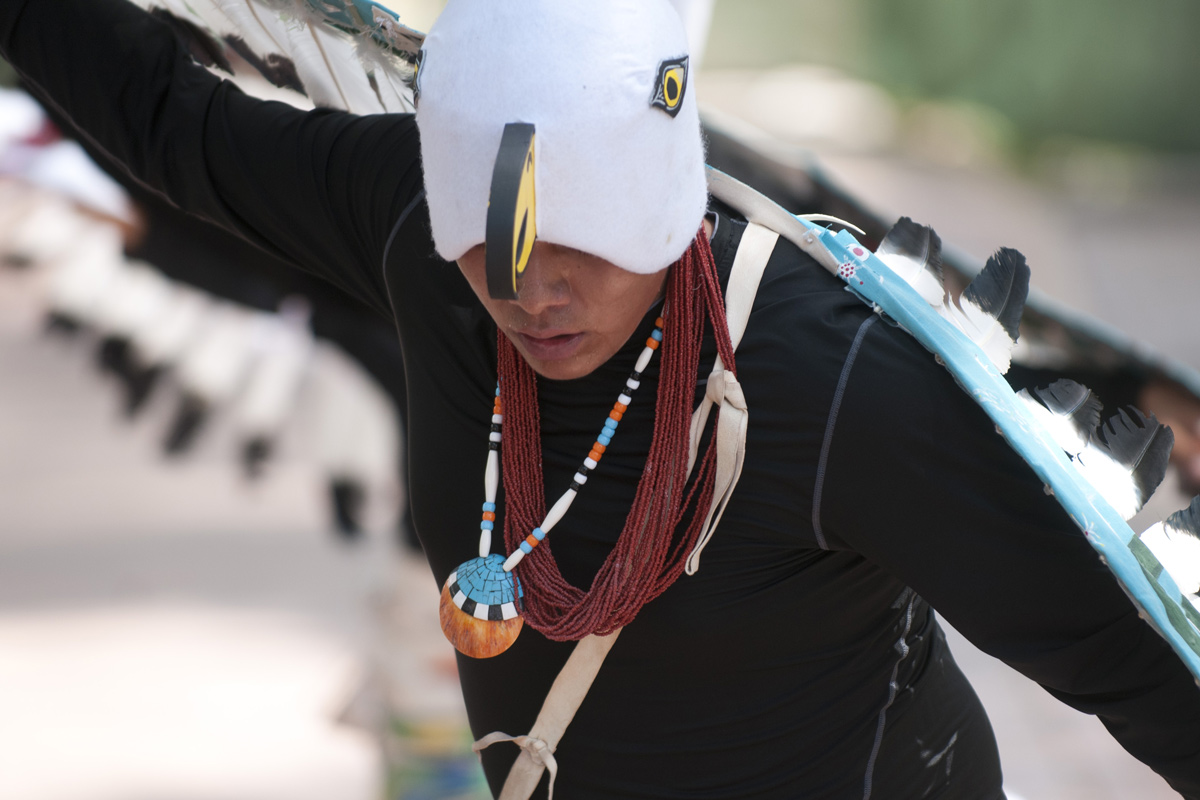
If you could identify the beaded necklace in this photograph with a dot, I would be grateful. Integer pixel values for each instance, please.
(480, 603)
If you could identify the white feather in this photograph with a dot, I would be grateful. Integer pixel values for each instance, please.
(1110, 478)
(347, 70)
(393, 90)
(216, 365)
(263, 33)
(1065, 434)
(983, 329)
(1179, 553)
(163, 340)
(274, 385)
(915, 274)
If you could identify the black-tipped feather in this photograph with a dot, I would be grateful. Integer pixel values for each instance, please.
(1001, 288)
(1139, 444)
(1068, 410)
(1073, 401)
(278, 70)
(918, 242)
(1175, 542)
(1186, 521)
(205, 48)
(989, 311)
(914, 253)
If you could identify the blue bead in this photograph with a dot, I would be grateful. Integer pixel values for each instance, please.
(489, 506)
(497, 390)
(486, 525)
(526, 548)
(539, 534)
(604, 440)
(656, 335)
(611, 424)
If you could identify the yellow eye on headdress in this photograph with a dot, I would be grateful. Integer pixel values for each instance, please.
(671, 85)
(512, 212)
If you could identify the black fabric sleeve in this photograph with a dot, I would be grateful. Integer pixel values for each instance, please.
(320, 189)
(919, 482)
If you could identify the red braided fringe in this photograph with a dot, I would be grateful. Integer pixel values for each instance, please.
(649, 555)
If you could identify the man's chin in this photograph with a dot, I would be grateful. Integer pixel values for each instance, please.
(564, 370)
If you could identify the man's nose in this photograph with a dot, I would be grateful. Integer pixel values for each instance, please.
(544, 284)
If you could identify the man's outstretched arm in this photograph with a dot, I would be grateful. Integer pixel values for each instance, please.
(319, 189)
(958, 516)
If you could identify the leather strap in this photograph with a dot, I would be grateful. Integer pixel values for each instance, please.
(724, 391)
(563, 700)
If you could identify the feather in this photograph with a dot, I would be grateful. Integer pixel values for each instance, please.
(341, 59)
(914, 252)
(989, 311)
(1126, 459)
(1176, 544)
(328, 68)
(1068, 410)
(278, 70)
(204, 47)
(394, 92)
(263, 33)
(385, 28)
(273, 389)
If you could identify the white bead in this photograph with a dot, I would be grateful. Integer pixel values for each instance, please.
(632, 385)
(624, 399)
(514, 559)
(494, 436)
(590, 463)
(497, 419)
(580, 478)
(491, 476)
(485, 543)
(643, 360)
(558, 511)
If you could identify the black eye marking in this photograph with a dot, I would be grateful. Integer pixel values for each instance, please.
(512, 212)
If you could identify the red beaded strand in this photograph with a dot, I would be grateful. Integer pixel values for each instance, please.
(650, 554)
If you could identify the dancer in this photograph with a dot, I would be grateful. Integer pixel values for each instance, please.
(802, 659)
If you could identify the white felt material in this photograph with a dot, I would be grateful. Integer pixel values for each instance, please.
(615, 176)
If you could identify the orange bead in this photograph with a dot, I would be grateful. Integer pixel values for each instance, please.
(595, 455)
(531, 540)
(659, 322)
(652, 343)
(490, 516)
(621, 407)
(615, 415)
(599, 448)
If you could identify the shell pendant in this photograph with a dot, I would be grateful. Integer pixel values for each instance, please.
(480, 607)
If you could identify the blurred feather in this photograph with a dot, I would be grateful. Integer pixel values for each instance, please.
(1176, 544)
(989, 311)
(1070, 411)
(330, 70)
(277, 69)
(1126, 459)
(204, 47)
(349, 56)
(914, 252)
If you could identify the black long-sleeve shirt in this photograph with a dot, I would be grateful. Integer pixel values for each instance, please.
(803, 660)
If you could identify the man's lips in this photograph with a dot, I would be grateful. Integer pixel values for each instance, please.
(549, 345)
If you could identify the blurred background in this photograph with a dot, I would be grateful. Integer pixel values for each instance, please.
(187, 613)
